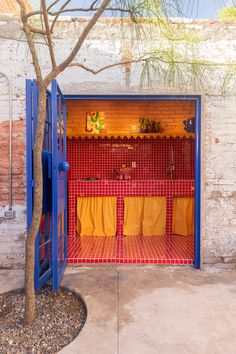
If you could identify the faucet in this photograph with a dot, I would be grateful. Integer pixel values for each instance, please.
(171, 164)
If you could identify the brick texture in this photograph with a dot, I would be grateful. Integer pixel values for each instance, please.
(121, 116)
(18, 162)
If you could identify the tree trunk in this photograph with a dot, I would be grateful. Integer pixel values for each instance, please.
(30, 312)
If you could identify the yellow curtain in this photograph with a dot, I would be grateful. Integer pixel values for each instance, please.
(183, 216)
(96, 216)
(133, 215)
(154, 216)
(144, 216)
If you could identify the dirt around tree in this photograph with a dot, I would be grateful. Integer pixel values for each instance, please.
(60, 318)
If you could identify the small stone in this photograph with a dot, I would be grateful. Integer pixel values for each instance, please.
(59, 320)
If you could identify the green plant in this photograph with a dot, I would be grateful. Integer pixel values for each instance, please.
(143, 123)
(228, 13)
(150, 125)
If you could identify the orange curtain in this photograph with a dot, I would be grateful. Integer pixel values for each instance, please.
(154, 216)
(144, 216)
(183, 216)
(133, 215)
(96, 216)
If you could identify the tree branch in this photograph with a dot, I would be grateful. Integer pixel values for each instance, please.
(146, 59)
(91, 8)
(94, 3)
(40, 12)
(79, 43)
(37, 30)
(30, 40)
(88, 9)
(49, 37)
(59, 12)
(33, 13)
(84, 34)
(52, 4)
(20, 40)
(95, 72)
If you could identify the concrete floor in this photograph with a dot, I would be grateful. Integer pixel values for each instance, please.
(150, 310)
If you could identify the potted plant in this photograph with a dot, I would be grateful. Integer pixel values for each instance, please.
(143, 125)
(158, 128)
(149, 126)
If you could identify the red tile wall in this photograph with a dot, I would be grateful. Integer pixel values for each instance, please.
(166, 188)
(169, 249)
(99, 157)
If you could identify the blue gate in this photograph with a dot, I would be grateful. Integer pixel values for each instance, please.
(51, 241)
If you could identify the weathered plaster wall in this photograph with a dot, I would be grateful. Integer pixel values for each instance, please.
(109, 42)
(219, 179)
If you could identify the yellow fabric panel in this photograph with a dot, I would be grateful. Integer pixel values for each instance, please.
(109, 219)
(183, 216)
(154, 216)
(144, 216)
(133, 215)
(96, 216)
(84, 217)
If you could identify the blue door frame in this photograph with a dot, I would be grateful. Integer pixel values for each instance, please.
(43, 268)
(51, 240)
(197, 152)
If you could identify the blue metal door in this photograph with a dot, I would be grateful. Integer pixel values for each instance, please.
(51, 241)
(59, 184)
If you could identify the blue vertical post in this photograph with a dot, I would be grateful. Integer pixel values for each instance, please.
(54, 187)
(197, 159)
(65, 176)
(29, 152)
(35, 107)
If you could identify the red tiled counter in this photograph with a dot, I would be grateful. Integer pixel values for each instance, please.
(120, 189)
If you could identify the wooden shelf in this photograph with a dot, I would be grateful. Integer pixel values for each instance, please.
(130, 135)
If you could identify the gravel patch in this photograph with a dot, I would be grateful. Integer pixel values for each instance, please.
(60, 318)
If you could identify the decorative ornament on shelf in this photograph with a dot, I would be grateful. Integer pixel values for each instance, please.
(143, 125)
(150, 125)
(189, 125)
(123, 173)
(94, 122)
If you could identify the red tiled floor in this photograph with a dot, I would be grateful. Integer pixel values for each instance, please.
(132, 249)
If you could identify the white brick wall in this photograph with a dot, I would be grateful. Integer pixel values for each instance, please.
(12, 237)
(103, 47)
(219, 174)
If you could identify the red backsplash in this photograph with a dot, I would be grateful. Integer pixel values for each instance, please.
(99, 157)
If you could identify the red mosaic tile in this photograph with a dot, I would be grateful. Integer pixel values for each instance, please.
(98, 158)
(168, 188)
(133, 249)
